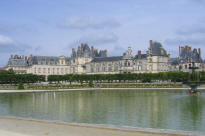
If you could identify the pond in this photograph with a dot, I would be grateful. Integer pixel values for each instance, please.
(164, 109)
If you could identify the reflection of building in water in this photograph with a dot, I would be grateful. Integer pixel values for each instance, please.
(159, 112)
(88, 60)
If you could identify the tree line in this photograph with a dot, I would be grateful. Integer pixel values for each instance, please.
(9, 77)
(135, 77)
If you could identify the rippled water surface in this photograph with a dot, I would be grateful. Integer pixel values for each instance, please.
(139, 108)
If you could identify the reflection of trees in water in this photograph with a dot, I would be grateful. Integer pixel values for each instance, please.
(134, 108)
(156, 109)
(191, 112)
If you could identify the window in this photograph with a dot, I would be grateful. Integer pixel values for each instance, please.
(92, 68)
(97, 68)
(128, 63)
(125, 64)
(62, 71)
(73, 69)
(116, 67)
(110, 67)
(57, 70)
(150, 67)
(48, 70)
(139, 68)
(44, 70)
(53, 70)
(104, 68)
(66, 70)
(35, 70)
(39, 70)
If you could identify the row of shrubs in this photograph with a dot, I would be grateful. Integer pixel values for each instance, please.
(134, 77)
(9, 77)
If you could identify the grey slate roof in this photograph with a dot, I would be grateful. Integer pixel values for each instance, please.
(157, 50)
(174, 61)
(186, 55)
(47, 60)
(17, 62)
(143, 56)
(103, 59)
(37, 59)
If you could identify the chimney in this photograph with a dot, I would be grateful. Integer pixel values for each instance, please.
(82, 48)
(11, 56)
(16, 56)
(150, 42)
(139, 54)
(169, 56)
(179, 50)
(31, 57)
(92, 50)
(79, 51)
(187, 49)
(195, 50)
(105, 53)
(26, 58)
(199, 50)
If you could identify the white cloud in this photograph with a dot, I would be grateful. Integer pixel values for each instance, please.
(100, 40)
(5, 40)
(89, 23)
(8, 45)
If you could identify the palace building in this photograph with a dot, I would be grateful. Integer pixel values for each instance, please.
(88, 60)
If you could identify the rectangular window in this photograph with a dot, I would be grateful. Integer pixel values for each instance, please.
(53, 70)
(35, 70)
(110, 68)
(57, 70)
(44, 70)
(48, 70)
(39, 70)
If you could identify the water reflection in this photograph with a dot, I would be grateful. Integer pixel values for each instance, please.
(155, 109)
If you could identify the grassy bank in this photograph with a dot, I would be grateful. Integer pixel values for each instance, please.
(97, 85)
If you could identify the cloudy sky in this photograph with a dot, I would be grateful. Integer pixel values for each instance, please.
(53, 27)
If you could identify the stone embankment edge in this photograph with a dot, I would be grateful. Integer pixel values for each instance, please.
(111, 127)
(86, 89)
